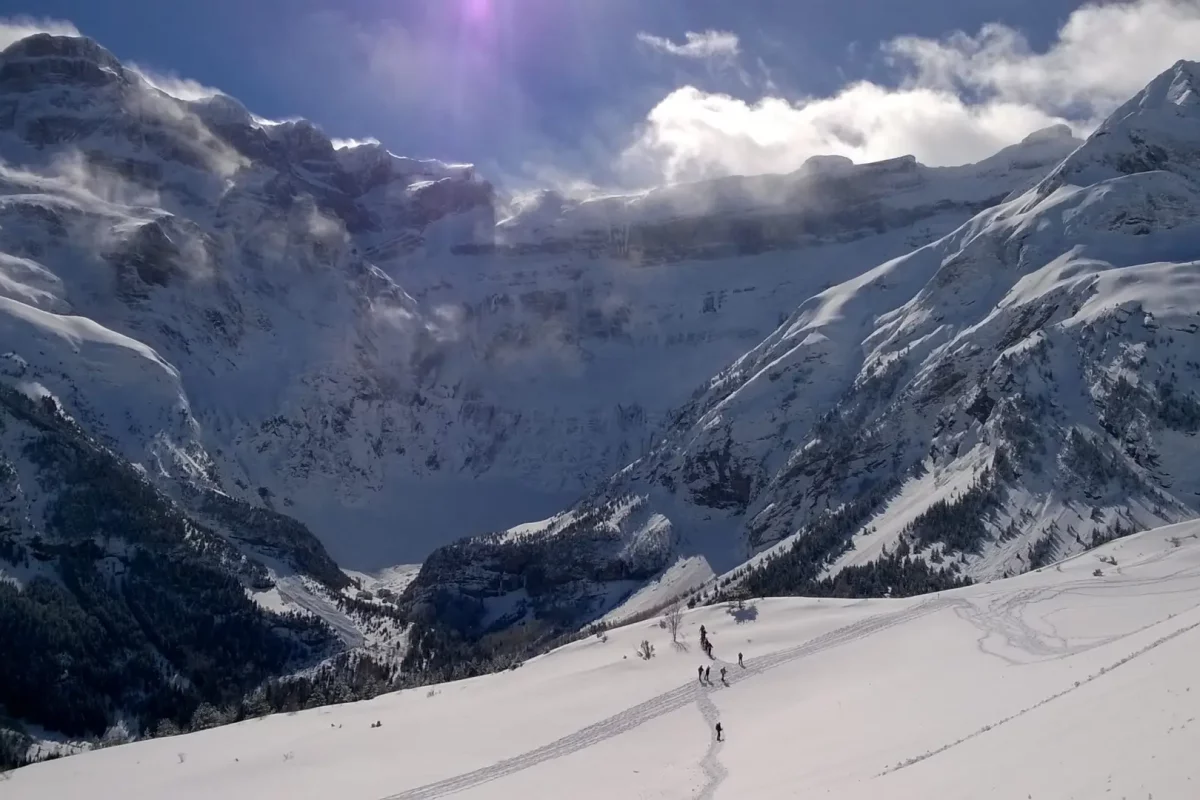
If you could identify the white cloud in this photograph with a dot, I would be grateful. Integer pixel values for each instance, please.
(13, 29)
(709, 44)
(1104, 54)
(693, 134)
(955, 100)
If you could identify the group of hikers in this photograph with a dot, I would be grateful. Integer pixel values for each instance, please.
(704, 673)
(706, 646)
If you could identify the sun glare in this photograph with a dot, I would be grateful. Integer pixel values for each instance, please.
(477, 11)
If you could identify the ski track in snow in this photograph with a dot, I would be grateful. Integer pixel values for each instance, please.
(1077, 685)
(997, 620)
(666, 703)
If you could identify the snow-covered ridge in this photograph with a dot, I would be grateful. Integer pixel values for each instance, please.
(821, 188)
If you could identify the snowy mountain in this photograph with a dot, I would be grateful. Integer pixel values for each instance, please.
(1014, 392)
(1075, 681)
(350, 337)
(307, 358)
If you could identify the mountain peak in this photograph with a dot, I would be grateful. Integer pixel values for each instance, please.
(1156, 130)
(50, 46)
(44, 59)
(1176, 86)
(1051, 133)
(826, 164)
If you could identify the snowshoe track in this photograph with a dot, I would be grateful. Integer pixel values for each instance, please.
(714, 770)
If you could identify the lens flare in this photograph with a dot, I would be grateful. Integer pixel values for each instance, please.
(477, 11)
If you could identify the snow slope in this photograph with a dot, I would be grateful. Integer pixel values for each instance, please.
(1075, 681)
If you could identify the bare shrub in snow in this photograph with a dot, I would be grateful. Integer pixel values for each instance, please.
(674, 620)
(645, 650)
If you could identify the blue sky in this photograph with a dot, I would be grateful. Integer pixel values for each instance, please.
(609, 91)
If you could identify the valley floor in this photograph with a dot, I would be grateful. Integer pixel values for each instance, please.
(1076, 681)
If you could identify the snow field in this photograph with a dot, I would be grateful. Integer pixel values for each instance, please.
(1056, 684)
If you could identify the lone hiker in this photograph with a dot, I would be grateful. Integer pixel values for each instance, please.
(722, 674)
(719, 732)
(740, 664)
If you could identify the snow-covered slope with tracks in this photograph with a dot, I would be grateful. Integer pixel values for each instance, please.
(1074, 681)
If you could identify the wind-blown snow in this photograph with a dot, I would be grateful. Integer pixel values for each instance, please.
(1077, 680)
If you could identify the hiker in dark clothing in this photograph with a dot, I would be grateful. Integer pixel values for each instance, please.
(719, 732)
(722, 674)
(707, 676)
(700, 673)
(740, 664)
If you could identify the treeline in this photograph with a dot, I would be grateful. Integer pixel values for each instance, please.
(451, 635)
(948, 525)
(270, 531)
(823, 541)
(132, 610)
(346, 678)
(959, 523)
(896, 574)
